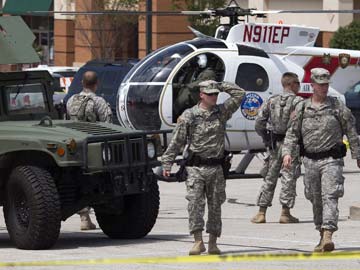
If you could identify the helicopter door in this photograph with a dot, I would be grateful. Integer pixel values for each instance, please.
(185, 94)
(256, 78)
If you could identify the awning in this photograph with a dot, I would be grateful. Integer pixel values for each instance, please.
(22, 7)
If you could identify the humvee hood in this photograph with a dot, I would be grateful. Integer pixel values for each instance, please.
(59, 129)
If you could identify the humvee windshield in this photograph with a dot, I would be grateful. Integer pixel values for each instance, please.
(24, 99)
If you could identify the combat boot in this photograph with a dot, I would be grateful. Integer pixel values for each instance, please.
(198, 246)
(260, 216)
(328, 244)
(286, 217)
(319, 247)
(212, 248)
(86, 223)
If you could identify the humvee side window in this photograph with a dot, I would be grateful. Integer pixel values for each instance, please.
(25, 99)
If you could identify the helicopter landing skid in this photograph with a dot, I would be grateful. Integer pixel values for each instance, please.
(239, 172)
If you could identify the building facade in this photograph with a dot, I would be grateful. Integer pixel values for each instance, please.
(75, 39)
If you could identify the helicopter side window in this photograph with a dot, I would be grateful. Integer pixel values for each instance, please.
(252, 77)
(205, 66)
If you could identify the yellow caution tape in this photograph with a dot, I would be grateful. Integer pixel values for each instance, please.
(196, 259)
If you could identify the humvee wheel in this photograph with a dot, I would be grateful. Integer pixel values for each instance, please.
(136, 220)
(32, 208)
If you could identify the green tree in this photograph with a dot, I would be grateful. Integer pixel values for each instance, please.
(206, 25)
(347, 37)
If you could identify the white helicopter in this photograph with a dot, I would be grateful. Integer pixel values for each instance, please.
(253, 55)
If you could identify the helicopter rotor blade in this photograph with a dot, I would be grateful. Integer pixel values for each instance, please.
(310, 11)
(215, 12)
(195, 12)
(112, 12)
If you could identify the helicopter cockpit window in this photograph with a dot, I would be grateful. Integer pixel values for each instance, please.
(252, 77)
(158, 68)
(202, 67)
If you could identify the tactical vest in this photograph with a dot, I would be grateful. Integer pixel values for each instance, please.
(82, 108)
(281, 108)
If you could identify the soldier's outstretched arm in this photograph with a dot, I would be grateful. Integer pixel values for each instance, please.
(293, 134)
(348, 125)
(178, 140)
(261, 121)
(236, 96)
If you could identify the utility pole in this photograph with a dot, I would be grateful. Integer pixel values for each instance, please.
(148, 26)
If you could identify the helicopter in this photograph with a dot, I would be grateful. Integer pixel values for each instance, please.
(252, 55)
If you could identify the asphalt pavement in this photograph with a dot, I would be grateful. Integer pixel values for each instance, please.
(167, 246)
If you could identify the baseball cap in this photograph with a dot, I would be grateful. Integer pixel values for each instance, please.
(209, 87)
(320, 75)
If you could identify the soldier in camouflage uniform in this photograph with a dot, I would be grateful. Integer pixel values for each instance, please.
(320, 122)
(205, 124)
(189, 93)
(271, 124)
(86, 106)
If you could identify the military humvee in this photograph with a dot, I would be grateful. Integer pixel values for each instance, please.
(50, 169)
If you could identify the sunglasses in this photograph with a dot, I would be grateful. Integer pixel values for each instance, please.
(212, 94)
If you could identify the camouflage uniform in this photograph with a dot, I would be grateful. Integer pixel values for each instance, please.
(189, 94)
(263, 125)
(321, 128)
(207, 130)
(96, 106)
(97, 109)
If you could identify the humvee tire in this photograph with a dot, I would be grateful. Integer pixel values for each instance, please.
(137, 219)
(32, 208)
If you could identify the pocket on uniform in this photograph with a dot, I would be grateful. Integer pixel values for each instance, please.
(340, 187)
(307, 189)
(220, 191)
(190, 182)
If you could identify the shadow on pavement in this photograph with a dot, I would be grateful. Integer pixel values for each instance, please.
(72, 240)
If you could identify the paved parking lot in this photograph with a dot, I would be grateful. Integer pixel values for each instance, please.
(169, 238)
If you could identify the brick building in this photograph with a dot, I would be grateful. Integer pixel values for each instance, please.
(74, 39)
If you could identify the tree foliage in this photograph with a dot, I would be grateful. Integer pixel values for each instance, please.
(205, 25)
(107, 35)
(347, 37)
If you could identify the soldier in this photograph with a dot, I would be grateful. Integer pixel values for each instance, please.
(189, 93)
(202, 127)
(271, 124)
(86, 106)
(320, 122)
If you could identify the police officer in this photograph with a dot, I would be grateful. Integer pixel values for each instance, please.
(87, 106)
(320, 122)
(271, 124)
(203, 128)
(189, 93)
